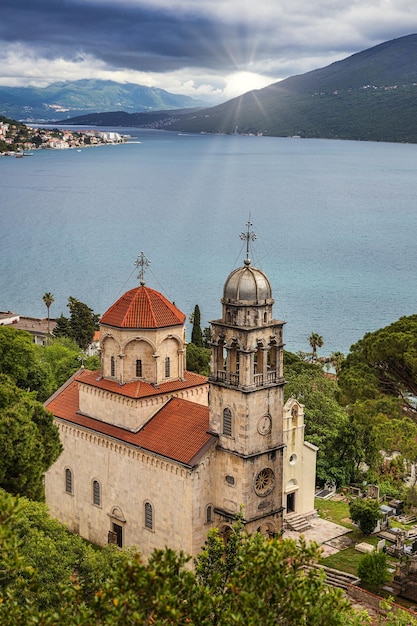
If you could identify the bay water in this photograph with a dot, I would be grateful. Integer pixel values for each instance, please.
(335, 225)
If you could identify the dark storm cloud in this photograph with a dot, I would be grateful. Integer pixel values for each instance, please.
(128, 36)
(191, 46)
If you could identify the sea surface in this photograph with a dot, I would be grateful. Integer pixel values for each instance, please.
(335, 224)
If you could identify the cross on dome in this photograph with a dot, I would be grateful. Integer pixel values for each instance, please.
(143, 263)
(248, 236)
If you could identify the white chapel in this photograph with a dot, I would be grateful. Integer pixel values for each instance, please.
(155, 455)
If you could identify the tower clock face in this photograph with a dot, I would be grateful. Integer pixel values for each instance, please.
(264, 425)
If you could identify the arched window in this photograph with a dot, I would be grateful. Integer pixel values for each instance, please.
(138, 368)
(227, 422)
(68, 481)
(209, 514)
(112, 366)
(167, 367)
(96, 493)
(148, 516)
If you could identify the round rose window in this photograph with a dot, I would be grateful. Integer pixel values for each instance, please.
(264, 482)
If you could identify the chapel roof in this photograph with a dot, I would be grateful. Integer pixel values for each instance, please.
(178, 431)
(143, 307)
(139, 388)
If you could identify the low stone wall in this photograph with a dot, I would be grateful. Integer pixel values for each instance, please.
(373, 601)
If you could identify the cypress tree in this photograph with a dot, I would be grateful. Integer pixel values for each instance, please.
(196, 333)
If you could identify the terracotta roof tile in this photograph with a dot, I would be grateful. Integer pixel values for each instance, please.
(140, 388)
(178, 431)
(143, 307)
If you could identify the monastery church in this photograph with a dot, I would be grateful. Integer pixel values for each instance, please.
(155, 455)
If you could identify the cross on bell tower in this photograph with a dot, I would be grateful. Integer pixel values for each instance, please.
(248, 236)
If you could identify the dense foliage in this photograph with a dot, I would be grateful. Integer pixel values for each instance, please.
(327, 424)
(48, 576)
(22, 361)
(80, 326)
(373, 570)
(29, 441)
(365, 512)
(383, 363)
(198, 359)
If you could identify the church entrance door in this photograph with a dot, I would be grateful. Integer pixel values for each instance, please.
(291, 502)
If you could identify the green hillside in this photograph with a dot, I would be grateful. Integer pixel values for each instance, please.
(371, 95)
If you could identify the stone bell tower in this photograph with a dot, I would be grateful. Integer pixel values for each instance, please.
(246, 401)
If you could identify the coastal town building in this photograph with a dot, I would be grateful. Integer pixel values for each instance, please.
(154, 455)
(39, 328)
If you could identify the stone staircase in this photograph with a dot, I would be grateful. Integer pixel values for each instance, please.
(297, 523)
(336, 578)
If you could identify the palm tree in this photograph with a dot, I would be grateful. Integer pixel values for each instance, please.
(49, 299)
(316, 341)
(336, 360)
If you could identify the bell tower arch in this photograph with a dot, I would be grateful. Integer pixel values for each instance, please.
(246, 400)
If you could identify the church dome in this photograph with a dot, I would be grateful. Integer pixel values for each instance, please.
(247, 285)
(143, 307)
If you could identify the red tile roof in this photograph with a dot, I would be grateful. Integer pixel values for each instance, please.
(143, 307)
(178, 431)
(139, 388)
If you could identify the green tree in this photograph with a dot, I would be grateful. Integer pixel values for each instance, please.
(315, 341)
(336, 359)
(84, 322)
(22, 360)
(80, 326)
(64, 358)
(198, 359)
(218, 559)
(373, 570)
(49, 576)
(63, 327)
(206, 337)
(196, 333)
(366, 513)
(327, 424)
(383, 363)
(29, 441)
(48, 299)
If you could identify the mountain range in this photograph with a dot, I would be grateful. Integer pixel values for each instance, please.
(371, 95)
(60, 101)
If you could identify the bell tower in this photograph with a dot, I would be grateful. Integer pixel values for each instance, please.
(246, 401)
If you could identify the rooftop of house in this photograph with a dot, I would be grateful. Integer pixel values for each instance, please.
(31, 324)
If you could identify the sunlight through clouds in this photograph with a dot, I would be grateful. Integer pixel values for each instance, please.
(210, 50)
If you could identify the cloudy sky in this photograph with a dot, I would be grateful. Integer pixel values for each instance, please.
(207, 49)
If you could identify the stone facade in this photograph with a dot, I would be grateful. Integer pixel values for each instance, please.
(150, 458)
